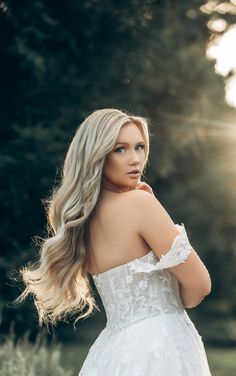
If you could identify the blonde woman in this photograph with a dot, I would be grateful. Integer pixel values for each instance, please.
(107, 225)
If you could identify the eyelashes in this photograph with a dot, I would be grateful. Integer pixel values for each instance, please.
(122, 147)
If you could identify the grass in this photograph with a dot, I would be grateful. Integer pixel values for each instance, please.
(22, 358)
(222, 361)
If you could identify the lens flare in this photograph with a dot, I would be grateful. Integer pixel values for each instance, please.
(222, 50)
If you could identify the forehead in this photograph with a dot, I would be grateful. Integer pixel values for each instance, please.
(130, 132)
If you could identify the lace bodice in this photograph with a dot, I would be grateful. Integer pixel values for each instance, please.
(143, 287)
(148, 331)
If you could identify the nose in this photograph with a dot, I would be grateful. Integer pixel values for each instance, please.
(134, 158)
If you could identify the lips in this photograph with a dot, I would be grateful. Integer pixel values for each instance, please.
(134, 172)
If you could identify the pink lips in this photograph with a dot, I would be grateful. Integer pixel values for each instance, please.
(134, 172)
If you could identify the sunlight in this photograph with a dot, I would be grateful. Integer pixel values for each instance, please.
(221, 46)
(222, 49)
(222, 8)
(231, 91)
(196, 133)
(217, 25)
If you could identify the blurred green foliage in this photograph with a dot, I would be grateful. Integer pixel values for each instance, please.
(62, 60)
(20, 358)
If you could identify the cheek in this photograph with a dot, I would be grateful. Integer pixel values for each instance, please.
(112, 166)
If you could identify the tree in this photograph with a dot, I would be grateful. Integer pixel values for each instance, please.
(62, 60)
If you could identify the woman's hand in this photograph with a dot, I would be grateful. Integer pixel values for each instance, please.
(144, 186)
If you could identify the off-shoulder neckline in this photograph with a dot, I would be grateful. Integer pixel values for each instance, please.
(182, 230)
(122, 265)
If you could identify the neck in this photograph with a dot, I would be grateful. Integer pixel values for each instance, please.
(109, 186)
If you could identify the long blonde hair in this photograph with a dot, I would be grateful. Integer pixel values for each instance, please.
(59, 280)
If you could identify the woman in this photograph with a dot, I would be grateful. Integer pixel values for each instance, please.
(108, 225)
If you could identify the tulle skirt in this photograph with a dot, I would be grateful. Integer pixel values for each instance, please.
(163, 345)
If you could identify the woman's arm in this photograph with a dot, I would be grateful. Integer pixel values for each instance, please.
(156, 227)
(190, 298)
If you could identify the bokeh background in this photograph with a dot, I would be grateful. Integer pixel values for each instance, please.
(173, 62)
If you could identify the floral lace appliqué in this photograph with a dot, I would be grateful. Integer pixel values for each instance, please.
(178, 253)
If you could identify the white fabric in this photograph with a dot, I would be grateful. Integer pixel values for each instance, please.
(148, 331)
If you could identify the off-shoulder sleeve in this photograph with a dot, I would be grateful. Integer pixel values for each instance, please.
(178, 253)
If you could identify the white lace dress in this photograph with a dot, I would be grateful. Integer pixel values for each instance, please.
(148, 331)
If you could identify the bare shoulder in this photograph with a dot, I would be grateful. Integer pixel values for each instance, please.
(143, 207)
(138, 195)
(154, 224)
(140, 200)
(150, 218)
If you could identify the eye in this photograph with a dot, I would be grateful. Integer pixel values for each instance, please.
(142, 146)
(122, 147)
(117, 149)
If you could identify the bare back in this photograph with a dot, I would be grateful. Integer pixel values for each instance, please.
(113, 234)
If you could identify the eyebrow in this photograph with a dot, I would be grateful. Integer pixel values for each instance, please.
(126, 143)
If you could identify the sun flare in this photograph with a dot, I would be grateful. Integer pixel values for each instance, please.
(222, 49)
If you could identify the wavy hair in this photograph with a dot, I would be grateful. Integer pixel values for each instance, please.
(59, 279)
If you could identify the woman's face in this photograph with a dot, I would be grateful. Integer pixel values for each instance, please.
(128, 154)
